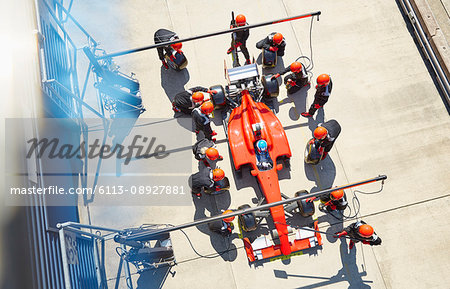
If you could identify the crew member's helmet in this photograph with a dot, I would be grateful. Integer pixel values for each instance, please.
(261, 146)
(323, 80)
(177, 46)
(320, 132)
(229, 219)
(365, 231)
(197, 97)
(337, 195)
(240, 20)
(277, 38)
(218, 174)
(207, 107)
(296, 67)
(212, 154)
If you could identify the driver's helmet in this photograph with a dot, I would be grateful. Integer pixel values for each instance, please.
(261, 146)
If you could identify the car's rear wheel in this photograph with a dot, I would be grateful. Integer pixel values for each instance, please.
(247, 221)
(306, 208)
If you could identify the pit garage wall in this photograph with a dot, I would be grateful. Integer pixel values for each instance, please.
(30, 248)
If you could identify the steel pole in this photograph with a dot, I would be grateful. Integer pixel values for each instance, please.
(129, 51)
(65, 262)
(145, 235)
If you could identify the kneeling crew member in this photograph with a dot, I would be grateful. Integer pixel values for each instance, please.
(189, 99)
(224, 226)
(206, 179)
(326, 134)
(360, 232)
(273, 42)
(296, 79)
(164, 35)
(334, 201)
(239, 38)
(323, 91)
(205, 150)
(200, 116)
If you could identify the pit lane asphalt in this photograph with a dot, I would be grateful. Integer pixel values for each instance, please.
(393, 120)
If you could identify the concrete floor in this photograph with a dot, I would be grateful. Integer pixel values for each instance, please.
(393, 122)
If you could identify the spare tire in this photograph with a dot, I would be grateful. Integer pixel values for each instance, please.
(178, 63)
(269, 58)
(312, 155)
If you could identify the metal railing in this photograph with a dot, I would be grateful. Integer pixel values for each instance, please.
(92, 248)
(425, 44)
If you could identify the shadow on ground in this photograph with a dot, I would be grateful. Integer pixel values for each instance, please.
(154, 278)
(173, 81)
(323, 174)
(212, 205)
(348, 273)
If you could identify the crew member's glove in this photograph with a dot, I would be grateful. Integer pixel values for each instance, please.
(275, 76)
(164, 63)
(310, 199)
(212, 92)
(311, 142)
(317, 106)
(340, 234)
(351, 244)
(237, 44)
(273, 49)
(291, 82)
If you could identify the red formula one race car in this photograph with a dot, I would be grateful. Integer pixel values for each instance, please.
(257, 139)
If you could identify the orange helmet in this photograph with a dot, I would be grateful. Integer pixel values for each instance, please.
(277, 38)
(207, 107)
(212, 154)
(365, 231)
(296, 66)
(177, 46)
(337, 195)
(240, 20)
(320, 132)
(218, 174)
(229, 219)
(197, 96)
(323, 79)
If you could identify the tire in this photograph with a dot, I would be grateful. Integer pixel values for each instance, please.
(247, 221)
(179, 63)
(218, 99)
(287, 163)
(312, 156)
(269, 58)
(173, 65)
(270, 86)
(306, 209)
